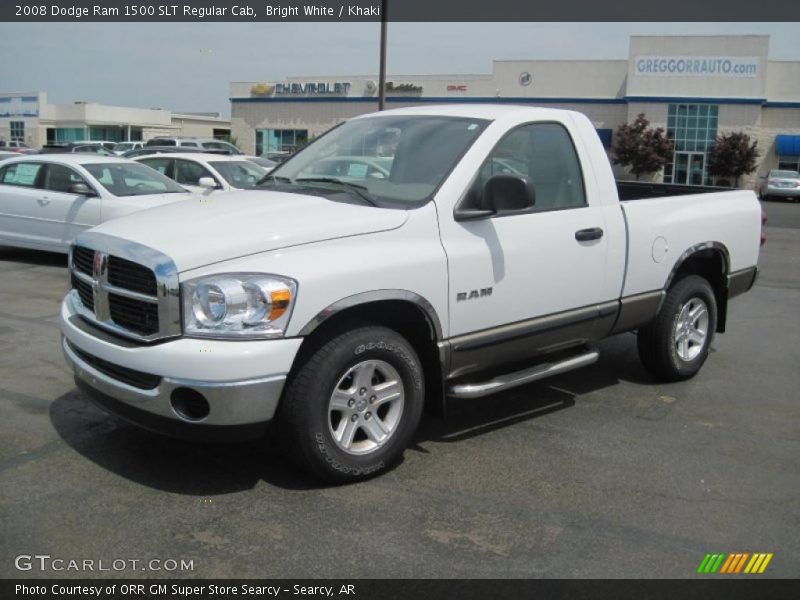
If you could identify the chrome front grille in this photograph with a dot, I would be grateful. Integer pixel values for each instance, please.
(82, 259)
(125, 287)
(136, 315)
(131, 276)
(84, 290)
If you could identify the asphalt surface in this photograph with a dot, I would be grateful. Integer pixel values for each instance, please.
(599, 473)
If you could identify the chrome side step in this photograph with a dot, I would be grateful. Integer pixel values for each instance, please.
(512, 380)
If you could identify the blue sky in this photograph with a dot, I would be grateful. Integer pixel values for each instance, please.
(187, 66)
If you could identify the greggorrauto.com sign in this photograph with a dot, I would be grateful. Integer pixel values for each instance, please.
(698, 66)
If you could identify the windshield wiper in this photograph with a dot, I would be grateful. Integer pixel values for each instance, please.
(361, 191)
(270, 177)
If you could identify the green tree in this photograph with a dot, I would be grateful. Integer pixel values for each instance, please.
(733, 155)
(641, 148)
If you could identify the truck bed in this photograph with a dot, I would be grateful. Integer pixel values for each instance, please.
(641, 190)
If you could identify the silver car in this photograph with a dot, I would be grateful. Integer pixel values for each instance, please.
(780, 184)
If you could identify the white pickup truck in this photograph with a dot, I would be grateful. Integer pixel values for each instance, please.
(403, 258)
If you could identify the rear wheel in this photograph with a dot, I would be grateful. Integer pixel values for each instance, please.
(353, 406)
(676, 344)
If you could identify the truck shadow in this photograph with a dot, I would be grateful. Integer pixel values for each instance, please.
(199, 469)
(470, 418)
(33, 258)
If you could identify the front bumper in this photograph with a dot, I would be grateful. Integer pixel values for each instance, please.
(241, 381)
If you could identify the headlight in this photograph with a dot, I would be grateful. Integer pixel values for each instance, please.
(238, 305)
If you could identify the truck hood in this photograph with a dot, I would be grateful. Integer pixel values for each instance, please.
(221, 227)
(153, 200)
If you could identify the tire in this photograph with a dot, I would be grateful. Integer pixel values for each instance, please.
(676, 343)
(343, 391)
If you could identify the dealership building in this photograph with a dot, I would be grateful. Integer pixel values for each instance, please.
(30, 118)
(695, 87)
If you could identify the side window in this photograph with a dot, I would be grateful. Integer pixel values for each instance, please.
(162, 165)
(21, 174)
(544, 153)
(104, 176)
(189, 173)
(59, 178)
(189, 144)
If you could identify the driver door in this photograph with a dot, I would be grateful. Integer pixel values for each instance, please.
(524, 283)
(64, 214)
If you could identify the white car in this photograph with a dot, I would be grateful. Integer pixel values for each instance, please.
(46, 200)
(206, 173)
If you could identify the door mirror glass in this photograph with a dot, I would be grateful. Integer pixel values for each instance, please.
(81, 189)
(505, 193)
(207, 182)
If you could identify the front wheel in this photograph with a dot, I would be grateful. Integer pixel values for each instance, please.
(676, 343)
(353, 406)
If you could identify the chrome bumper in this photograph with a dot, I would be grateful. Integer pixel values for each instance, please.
(231, 403)
(238, 384)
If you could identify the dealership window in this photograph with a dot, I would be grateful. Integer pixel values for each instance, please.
(789, 163)
(17, 130)
(693, 129)
(106, 134)
(279, 140)
(66, 134)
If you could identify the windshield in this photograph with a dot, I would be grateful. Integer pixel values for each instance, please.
(239, 173)
(395, 159)
(121, 147)
(786, 174)
(132, 179)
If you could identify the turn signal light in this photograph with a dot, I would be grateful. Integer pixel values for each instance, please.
(279, 303)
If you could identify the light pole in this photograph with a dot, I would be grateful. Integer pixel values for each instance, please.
(382, 72)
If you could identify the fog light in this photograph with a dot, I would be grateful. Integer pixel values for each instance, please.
(189, 404)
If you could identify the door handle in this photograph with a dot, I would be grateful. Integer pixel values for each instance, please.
(44, 201)
(592, 233)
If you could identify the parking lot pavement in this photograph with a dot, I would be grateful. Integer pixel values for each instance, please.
(782, 213)
(599, 473)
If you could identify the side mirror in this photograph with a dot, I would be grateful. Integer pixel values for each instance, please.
(207, 182)
(501, 194)
(81, 189)
(508, 193)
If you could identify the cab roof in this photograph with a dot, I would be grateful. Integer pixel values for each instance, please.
(489, 111)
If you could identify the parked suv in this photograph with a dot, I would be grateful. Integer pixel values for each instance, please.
(122, 147)
(192, 142)
(15, 146)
